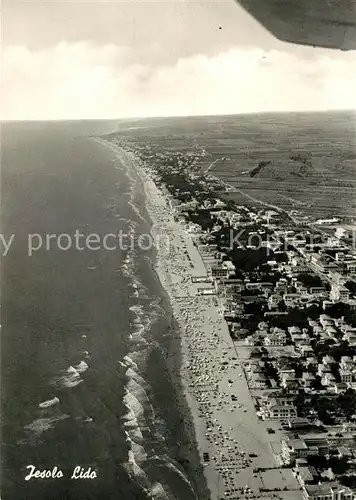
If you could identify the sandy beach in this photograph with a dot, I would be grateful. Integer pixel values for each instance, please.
(227, 432)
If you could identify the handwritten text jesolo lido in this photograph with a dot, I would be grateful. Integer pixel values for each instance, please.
(56, 473)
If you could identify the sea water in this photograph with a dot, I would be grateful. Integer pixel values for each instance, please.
(85, 332)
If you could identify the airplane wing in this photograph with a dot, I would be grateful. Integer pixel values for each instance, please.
(320, 23)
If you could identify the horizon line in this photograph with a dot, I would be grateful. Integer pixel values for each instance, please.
(128, 118)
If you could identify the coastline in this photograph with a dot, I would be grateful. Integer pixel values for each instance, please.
(162, 223)
(187, 447)
(210, 368)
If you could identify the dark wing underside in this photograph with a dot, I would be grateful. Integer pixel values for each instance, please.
(321, 23)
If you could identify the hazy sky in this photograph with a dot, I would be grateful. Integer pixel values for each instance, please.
(100, 59)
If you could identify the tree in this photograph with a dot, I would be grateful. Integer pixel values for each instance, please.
(318, 461)
(347, 402)
(309, 279)
(336, 310)
(349, 481)
(282, 306)
(281, 257)
(351, 285)
(316, 383)
(314, 311)
(339, 465)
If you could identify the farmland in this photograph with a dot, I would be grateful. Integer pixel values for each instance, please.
(306, 161)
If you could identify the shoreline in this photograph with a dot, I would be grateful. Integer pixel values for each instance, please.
(211, 371)
(187, 449)
(156, 207)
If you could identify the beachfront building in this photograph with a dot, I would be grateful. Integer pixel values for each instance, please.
(317, 444)
(293, 449)
(192, 228)
(299, 423)
(218, 272)
(276, 409)
(327, 491)
(302, 447)
(222, 270)
(259, 380)
(228, 286)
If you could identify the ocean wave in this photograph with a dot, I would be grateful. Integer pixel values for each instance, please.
(137, 338)
(166, 461)
(81, 367)
(130, 223)
(137, 452)
(71, 378)
(129, 361)
(49, 403)
(137, 211)
(130, 419)
(135, 434)
(128, 264)
(135, 471)
(137, 322)
(134, 181)
(133, 405)
(158, 492)
(141, 323)
(132, 374)
(138, 404)
(141, 413)
(40, 425)
(175, 469)
(137, 456)
(137, 309)
(129, 258)
(137, 391)
(125, 271)
(140, 291)
(136, 359)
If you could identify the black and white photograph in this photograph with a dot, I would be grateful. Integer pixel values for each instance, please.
(178, 249)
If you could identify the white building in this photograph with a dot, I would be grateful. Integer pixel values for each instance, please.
(277, 410)
(276, 338)
(339, 293)
(327, 491)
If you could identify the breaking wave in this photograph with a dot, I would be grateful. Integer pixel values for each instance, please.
(40, 425)
(81, 367)
(70, 378)
(158, 493)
